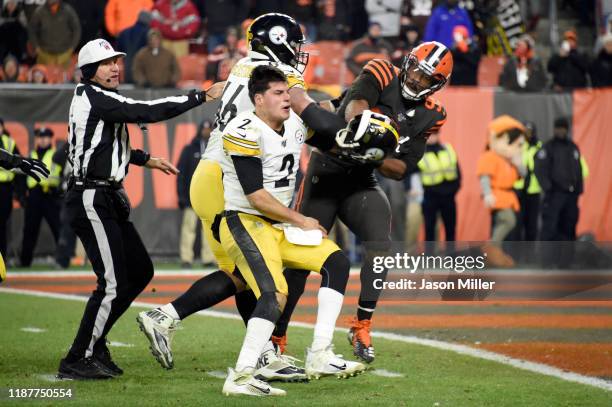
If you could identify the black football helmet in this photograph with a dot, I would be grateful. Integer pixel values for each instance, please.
(280, 38)
(368, 137)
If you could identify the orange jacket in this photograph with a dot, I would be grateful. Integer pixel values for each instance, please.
(120, 14)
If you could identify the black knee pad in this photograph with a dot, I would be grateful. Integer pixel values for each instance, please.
(335, 272)
(267, 307)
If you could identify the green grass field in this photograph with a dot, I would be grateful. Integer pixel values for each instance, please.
(430, 377)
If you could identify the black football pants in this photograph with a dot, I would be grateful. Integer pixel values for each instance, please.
(122, 265)
(6, 206)
(39, 205)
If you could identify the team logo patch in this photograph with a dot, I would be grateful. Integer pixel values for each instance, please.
(278, 35)
(299, 136)
(104, 44)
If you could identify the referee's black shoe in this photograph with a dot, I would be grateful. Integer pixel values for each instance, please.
(104, 357)
(83, 369)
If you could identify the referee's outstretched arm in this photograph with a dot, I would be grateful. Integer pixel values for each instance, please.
(113, 107)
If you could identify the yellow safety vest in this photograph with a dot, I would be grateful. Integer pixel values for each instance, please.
(529, 153)
(438, 167)
(54, 172)
(8, 144)
(584, 167)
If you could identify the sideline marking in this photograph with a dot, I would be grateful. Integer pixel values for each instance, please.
(386, 373)
(217, 374)
(120, 344)
(447, 346)
(33, 329)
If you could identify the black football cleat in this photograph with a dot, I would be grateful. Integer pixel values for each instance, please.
(83, 369)
(104, 357)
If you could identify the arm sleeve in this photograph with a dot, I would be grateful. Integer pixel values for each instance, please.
(366, 87)
(250, 173)
(113, 107)
(323, 124)
(139, 157)
(411, 152)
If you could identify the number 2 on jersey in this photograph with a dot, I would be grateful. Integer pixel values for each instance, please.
(288, 161)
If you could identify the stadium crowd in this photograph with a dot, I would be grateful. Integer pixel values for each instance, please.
(199, 40)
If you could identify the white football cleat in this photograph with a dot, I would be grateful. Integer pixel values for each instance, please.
(325, 362)
(244, 383)
(159, 329)
(274, 366)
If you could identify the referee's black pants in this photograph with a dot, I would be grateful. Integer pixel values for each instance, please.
(122, 265)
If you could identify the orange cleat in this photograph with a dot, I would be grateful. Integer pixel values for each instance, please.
(359, 338)
(280, 341)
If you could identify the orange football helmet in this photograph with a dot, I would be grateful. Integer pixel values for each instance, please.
(425, 70)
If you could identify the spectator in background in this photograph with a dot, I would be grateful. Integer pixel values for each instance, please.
(414, 211)
(221, 15)
(569, 67)
(523, 72)
(188, 161)
(7, 181)
(305, 12)
(178, 21)
(10, 69)
(154, 66)
(607, 29)
(243, 45)
(441, 180)
(91, 16)
(131, 40)
(601, 68)
(387, 14)
(443, 21)
(466, 57)
(38, 75)
(121, 14)
(409, 38)
(369, 47)
(416, 12)
(223, 56)
(54, 31)
(13, 30)
(30, 6)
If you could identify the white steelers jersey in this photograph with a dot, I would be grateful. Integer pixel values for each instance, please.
(248, 135)
(235, 97)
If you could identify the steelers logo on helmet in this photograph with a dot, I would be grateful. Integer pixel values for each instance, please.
(299, 136)
(278, 35)
(368, 137)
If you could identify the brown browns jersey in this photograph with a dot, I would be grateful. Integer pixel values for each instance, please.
(379, 85)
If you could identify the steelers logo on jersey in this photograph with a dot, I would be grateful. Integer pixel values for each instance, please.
(299, 136)
(278, 35)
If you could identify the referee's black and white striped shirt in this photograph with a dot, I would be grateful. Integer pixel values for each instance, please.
(98, 135)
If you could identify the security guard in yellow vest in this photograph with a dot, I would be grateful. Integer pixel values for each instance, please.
(43, 197)
(7, 178)
(528, 190)
(441, 179)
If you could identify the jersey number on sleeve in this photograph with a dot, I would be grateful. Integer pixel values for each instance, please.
(288, 161)
(227, 111)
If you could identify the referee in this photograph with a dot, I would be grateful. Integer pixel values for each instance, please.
(97, 205)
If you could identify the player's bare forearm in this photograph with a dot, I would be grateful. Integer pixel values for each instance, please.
(215, 91)
(270, 207)
(393, 168)
(355, 107)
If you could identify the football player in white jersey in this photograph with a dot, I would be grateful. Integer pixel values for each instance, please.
(274, 40)
(261, 234)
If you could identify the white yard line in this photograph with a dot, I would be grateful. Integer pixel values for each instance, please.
(447, 346)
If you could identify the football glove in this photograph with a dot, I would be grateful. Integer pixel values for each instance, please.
(31, 167)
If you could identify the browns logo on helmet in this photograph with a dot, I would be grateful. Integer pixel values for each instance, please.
(425, 70)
